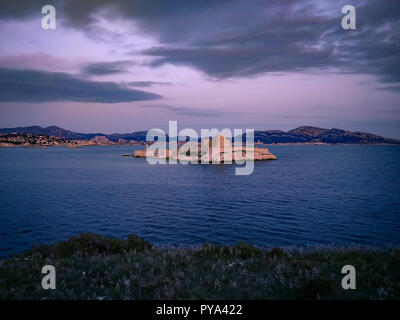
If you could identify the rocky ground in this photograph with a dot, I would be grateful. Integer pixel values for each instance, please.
(93, 267)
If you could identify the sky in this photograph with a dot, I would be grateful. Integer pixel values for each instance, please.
(124, 66)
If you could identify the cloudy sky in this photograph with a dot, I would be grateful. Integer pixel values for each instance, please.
(123, 66)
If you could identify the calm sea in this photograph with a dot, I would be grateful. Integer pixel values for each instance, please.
(310, 195)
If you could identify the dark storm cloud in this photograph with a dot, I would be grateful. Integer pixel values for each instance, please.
(239, 38)
(38, 86)
(147, 83)
(289, 37)
(239, 62)
(106, 68)
(82, 14)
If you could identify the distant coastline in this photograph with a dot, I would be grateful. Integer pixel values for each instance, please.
(36, 136)
(31, 140)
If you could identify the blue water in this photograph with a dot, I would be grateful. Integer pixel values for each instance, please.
(310, 195)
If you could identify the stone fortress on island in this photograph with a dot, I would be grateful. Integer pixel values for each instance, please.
(216, 150)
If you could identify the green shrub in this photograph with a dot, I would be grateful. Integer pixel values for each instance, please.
(138, 244)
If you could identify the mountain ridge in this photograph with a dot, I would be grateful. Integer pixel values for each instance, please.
(302, 134)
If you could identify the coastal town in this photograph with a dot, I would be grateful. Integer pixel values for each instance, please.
(16, 139)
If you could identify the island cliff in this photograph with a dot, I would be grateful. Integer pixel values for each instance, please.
(216, 150)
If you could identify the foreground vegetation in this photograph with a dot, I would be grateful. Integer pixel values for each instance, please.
(94, 267)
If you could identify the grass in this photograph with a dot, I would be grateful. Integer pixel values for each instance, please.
(94, 267)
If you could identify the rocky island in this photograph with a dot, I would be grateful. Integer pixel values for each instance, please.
(210, 150)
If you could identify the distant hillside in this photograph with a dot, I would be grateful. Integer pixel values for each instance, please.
(137, 136)
(304, 134)
(60, 132)
(307, 134)
(52, 131)
(30, 139)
